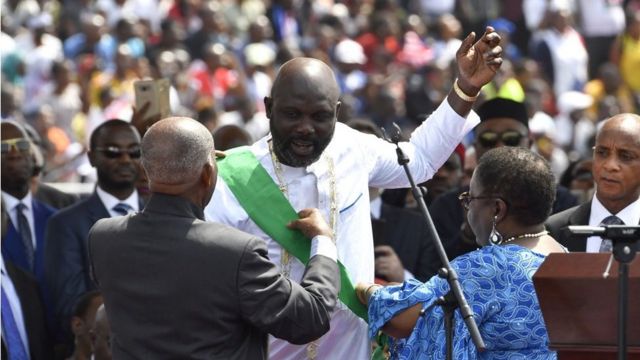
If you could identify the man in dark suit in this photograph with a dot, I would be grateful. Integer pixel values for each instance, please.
(186, 288)
(24, 326)
(616, 172)
(24, 242)
(23, 299)
(114, 152)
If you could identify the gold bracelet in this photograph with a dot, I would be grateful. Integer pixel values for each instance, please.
(461, 93)
(362, 292)
(366, 292)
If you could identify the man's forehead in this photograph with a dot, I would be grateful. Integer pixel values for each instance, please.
(118, 133)
(11, 131)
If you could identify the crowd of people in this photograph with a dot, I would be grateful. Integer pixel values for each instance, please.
(312, 87)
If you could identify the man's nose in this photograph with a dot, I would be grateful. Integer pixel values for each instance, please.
(305, 127)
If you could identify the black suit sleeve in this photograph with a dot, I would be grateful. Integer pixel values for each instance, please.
(298, 313)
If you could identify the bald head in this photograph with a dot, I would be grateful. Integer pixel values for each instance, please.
(309, 71)
(616, 162)
(174, 151)
(625, 123)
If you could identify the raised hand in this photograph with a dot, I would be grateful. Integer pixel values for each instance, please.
(478, 62)
(311, 224)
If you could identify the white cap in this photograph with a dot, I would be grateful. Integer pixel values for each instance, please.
(350, 52)
(542, 124)
(574, 100)
(258, 54)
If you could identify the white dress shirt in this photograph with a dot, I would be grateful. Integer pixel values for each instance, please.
(109, 201)
(14, 303)
(11, 203)
(360, 160)
(629, 215)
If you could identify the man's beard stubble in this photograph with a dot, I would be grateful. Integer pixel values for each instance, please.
(286, 155)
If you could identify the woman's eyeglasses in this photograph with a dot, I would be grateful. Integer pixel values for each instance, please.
(114, 152)
(490, 139)
(19, 144)
(466, 199)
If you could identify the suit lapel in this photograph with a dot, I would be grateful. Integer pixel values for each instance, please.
(580, 217)
(96, 208)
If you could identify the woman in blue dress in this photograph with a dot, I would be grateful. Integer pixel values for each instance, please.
(510, 196)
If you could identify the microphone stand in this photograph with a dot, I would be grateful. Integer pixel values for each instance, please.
(455, 297)
(624, 251)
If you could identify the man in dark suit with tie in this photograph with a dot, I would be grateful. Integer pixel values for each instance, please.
(24, 325)
(184, 288)
(24, 242)
(114, 152)
(616, 172)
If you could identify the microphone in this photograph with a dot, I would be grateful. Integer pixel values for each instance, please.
(616, 232)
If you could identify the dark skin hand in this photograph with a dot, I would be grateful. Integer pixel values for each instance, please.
(388, 265)
(477, 65)
(141, 121)
(311, 224)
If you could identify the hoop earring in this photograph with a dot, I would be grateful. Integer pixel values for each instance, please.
(495, 237)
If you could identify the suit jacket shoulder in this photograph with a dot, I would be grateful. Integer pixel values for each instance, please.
(54, 197)
(578, 215)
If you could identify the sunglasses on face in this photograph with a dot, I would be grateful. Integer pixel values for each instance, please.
(19, 144)
(490, 139)
(114, 152)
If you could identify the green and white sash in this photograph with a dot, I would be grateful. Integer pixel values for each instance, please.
(254, 189)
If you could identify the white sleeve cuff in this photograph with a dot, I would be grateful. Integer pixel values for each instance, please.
(323, 245)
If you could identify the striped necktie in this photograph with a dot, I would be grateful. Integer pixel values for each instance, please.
(24, 229)
(122, 208)
(607, 245)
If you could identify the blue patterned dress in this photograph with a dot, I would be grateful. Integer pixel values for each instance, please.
(496, 281)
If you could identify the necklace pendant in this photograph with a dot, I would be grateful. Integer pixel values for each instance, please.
(312, 350)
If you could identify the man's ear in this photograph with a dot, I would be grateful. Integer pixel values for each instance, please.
(268, 102)
(208, 175)
(91, 155)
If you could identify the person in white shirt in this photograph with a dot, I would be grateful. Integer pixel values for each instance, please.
(616, 172)
(320, 163)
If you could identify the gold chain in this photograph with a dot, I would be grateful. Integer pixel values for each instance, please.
(285, 257)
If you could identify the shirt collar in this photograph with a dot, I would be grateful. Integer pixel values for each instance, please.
(630, 214)
(11, 202)
(110, 201)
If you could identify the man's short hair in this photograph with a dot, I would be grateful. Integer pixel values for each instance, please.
(522, 178)
(179, 161)
(106, 125)
(82, 305)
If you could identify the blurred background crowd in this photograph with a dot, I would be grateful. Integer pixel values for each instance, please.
(69, 65)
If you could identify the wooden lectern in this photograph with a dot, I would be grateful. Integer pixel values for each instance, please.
(580, 307)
